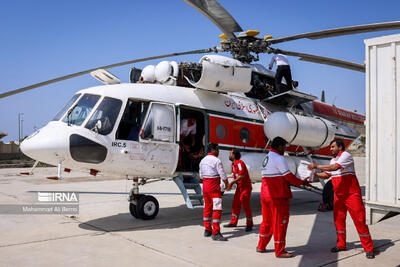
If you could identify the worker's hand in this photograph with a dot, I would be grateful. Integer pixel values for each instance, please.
(312, 166)
(270, 68)
(229, 187)
(306, 182)
(309, 179)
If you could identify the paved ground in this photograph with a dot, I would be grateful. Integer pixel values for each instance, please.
(104, 233)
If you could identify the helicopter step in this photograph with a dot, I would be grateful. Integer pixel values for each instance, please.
(190, 180)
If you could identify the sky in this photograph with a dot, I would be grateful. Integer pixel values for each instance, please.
(45, 39)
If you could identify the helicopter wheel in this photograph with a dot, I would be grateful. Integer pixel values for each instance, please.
(133, 208)
(147, 207)
(133, 211)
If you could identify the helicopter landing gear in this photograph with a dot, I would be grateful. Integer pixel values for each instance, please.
(142, 206)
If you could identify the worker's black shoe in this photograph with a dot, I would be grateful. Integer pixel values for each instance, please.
(370, 255)
(207, 233)
(229, 225)
(261, 250)
(218, 237)
(286, 255)
(337, 249)
(249, 228)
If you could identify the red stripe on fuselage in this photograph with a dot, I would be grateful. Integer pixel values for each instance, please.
(226, 131)
(327, 150)
(338, 113)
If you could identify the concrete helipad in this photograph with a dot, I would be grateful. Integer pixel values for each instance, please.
(104, 233)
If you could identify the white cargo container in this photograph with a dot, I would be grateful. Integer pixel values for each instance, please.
(382, 126)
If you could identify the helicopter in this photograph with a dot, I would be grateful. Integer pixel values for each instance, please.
(133, 129)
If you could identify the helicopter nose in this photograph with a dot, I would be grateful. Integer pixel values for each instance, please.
(46, 145)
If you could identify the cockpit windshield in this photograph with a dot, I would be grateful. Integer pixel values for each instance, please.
(81, 110)
(66, 107)
(103, 119)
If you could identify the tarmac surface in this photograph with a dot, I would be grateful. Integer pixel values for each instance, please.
(104, 233)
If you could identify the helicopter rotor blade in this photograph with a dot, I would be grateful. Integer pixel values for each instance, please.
(218, 15)
(324, 60)
(340, 31)
(73, 75)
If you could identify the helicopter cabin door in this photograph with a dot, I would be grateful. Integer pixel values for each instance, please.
(158, 139)
(192, 138)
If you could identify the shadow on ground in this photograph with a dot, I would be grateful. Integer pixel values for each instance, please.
(322, 237)
(181, 216)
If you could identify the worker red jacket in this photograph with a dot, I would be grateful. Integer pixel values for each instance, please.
(344, 180)
(348, 198)
(276, 177)
(238, 169)
(211, 171)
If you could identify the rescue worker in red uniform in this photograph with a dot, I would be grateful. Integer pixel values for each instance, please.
(212, 171)
(243, 191)
(275, 195)
(347, 197)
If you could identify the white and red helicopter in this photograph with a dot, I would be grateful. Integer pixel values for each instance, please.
(132, 129)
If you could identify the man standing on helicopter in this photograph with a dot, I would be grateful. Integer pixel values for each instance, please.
(282, 70)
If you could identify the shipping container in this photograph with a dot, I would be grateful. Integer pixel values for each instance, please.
(382, 192)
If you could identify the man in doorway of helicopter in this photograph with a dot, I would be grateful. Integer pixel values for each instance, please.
(187, 143)
(275, 195)
(188, 131)
(282, 70)
(347, 197)
(212, 172)
(243, 191)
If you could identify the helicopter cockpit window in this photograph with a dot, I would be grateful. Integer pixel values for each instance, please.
(103, 119)
(132, 120)
(66, 107)
(159, 125)
(81, 110)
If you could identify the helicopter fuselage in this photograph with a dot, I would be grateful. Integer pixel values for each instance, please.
(132, 130)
